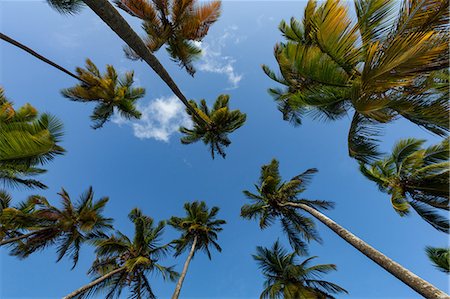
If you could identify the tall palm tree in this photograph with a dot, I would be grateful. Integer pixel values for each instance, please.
(415, 177)
(110, 92)
(221, 121)
(382, 67)
(286, 277)
(27, 140)
(123, 262)
(199, 230)
(67, 228)
(279, 200)
(440, 257)
(179, 24)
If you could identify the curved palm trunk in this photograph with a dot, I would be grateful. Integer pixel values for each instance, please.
(38, 56)
(119, 25)
(418, 284)
(176, 294)
(93, 283)
(18, 238)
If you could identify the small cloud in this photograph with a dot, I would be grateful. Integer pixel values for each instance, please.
(213, 61)
(160, 119)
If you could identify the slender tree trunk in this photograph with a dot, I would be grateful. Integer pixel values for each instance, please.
(107, 12)
(38, 56)
(93, 283)
(418, 284)
(18, 238)
(176, 294)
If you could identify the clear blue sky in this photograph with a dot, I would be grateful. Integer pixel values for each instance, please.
(159, 176)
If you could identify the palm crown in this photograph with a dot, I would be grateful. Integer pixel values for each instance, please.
(271, 200)
(177, 23)
(109, 91)
(220, 121)
(138, 257)
(27, 141)
(415, 177)
(200, 224)
(287, 278)
(67, 228)
(382, 68)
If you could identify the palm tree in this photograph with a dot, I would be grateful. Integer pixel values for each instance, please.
(199, 230)
(381, 67)
(27, 141)
(440, 257)
(221, 121)
(286, 277)
(179, 24)
(123, 262)
(279, 200)
(67, 228)
(108, 90)
(415, 177)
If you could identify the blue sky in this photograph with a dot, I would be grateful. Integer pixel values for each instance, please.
(142, 164)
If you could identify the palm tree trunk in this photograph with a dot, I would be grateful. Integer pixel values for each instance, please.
(418, 284)
(119, 25)
(93, 283)
(18, 238)
(38, 56)
(176, 294)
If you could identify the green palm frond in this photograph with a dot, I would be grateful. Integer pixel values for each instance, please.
(415, 177)
(110, 92)
(286, 277)
(218, 123)
(440, 257)
(271, 203)
(382, 66)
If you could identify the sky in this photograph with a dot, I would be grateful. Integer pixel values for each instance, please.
(143, 164)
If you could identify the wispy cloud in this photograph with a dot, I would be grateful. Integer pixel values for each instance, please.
(214, 61)
(160, 119)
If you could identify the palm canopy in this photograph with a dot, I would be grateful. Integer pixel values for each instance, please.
(415, 177)
(220, 121)
(180, 24)
(381, 66)
(67, 228)
(440, 257)
(109, 91)
(271, 202)
(201, 224)
(286, 277)
(138, 257)
(27, 140)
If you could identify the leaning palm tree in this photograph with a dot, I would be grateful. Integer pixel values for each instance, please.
(440, 257)
(286, 277)
(415, 177)
(110, 91)
(280, 200)
(382, 67)
(178, 24)
(123, 262)
(27, 141)
(199, 230)
(67, 228)
(220, 122)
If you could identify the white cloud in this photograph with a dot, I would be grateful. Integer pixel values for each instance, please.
(160, 119)
(213, 60)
